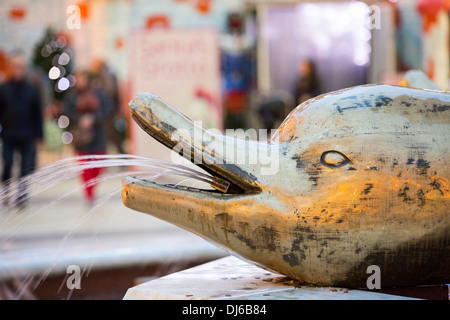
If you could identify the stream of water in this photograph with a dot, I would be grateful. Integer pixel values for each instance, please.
(34, 185)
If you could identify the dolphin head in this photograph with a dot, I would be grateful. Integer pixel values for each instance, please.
(353, 178)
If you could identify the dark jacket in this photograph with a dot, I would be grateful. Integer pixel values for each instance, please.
(95, 140)
(20, 111)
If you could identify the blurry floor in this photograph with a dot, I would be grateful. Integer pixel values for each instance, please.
(110, 242)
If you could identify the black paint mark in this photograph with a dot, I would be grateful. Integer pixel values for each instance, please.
(382, 101)
(403, 193)
(436, 186)
(297, 250)
(367, 190)
(423, 165)
(437, 108)
(408, 104)
(394, 163)
(300, 164)
(222, 216)
(314, 174)
(167, 128)
(269, 237)
(291, 258)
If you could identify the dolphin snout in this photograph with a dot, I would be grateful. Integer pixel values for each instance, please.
(203, 147)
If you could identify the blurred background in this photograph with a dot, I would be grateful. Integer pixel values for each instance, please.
(229, 64)
(224, 63)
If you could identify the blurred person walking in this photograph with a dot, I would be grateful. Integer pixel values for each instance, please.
(106, 80)
(21, 123)
(86, 109)
(307, 85)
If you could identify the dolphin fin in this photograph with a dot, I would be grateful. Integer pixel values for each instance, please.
(418, 79)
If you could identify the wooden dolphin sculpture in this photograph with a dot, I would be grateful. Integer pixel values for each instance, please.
(362, 179)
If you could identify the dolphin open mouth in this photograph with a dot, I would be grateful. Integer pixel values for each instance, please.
(307, 215)
(179, 133)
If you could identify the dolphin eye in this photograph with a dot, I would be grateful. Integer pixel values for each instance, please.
(334, 159)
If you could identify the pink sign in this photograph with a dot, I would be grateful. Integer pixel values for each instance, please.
(182, 67)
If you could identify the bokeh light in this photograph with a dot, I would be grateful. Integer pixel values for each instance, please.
(63, 122)
(72, 80)
(67, 137)
(64, 59)
(63, 84)
(54, 73)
